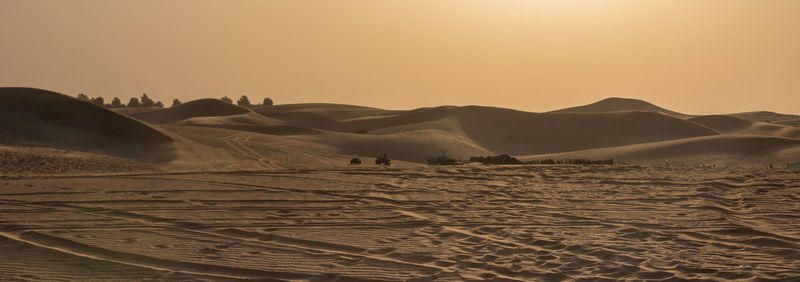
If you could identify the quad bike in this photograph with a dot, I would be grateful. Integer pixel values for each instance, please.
(355, 161)
(383, 161)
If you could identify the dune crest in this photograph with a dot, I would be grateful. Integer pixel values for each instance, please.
(615, 104)
(41, 118)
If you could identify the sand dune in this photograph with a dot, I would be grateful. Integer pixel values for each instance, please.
(620, 104)
(212, 134)
(730, 148)
(790, 122)
(765, 116)
(135, 110)
(723, 123)
(416, 135)
(35, 117)
(460, 132)
(196, 108)
(319, 115)
(530, 132)
(770, 129)
(504, 131)
(265, 193)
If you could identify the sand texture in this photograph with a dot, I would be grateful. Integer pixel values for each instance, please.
(213, 191)
(504, 223)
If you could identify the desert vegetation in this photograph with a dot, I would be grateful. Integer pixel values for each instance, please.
(145, 101)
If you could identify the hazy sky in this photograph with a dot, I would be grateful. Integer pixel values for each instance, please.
(711, 56)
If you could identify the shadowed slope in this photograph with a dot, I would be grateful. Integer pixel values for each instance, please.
(38, 117)
(615, 104)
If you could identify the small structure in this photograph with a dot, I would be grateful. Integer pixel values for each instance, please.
(383, 160)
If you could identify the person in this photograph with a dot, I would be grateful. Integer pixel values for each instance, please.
(355, 160)
(385, 156)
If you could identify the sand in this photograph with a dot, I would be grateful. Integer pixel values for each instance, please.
(41, 118)
(512, 223)
(213, 191)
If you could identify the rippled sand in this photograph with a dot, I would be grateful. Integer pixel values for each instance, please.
(449, 223)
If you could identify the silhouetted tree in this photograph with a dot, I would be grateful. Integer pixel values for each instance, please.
(176, 102)
(159, 104)
(243, 101)
(116, 103)
(268, 101)
(146, 101)
(98, 101)
(83, 97)
(134, 102)
(226, 99)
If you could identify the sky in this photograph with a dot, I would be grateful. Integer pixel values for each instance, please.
(696, 57)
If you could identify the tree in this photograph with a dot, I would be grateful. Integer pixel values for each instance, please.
(98, 101)
(116, 103)
(146, 101)
(83, 97)
(243, 101)
(159, 104)
(176, 102)
(268, 101)
(226, 99)
(134, 102)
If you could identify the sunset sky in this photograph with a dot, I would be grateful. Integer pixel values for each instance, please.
(697, 57)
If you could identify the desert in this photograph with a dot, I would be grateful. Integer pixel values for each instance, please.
(397, 140)
(208, 190)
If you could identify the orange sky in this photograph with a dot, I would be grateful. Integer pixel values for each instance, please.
(697, 57)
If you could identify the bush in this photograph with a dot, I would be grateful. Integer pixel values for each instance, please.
(116, 103)
(226, 100)
(134, 102)
(146, 101)
(268, 101)
(98, 101)
(176, 102)
(243, 101)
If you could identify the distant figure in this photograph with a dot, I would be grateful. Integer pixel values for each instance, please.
(355, 160)
(383, 159)
(666, 163)
(770, 166)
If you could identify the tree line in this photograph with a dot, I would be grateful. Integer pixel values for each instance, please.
(145, 101)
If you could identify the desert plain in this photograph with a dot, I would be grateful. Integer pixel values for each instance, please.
(209, 190)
